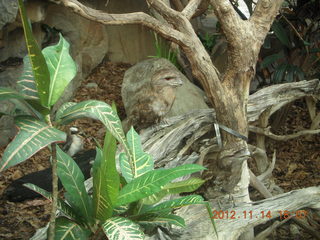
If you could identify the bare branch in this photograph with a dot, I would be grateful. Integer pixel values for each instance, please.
(263, 16)
(230, 21)
(178, 5)
(172, 16)
(128, 18)
(191, 8)
(258, 185)
(271, 135)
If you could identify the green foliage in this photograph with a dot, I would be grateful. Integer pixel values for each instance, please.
(61, 67)
(281, 33)
(208, 41)
(142, 161)
(38, 62)
(292, 49)
(106, 196)
(72, 180)
(164, 51)
(35, 133)
(33, 136)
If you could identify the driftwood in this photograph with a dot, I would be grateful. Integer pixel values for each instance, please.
(199, 225)
(165, 141)
(276, 96)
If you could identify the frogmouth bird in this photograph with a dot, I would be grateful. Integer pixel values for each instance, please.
(148, 92)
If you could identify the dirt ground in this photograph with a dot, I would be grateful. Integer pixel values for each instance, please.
(297, 166)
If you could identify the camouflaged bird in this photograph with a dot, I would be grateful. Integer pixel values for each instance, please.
(148, 92)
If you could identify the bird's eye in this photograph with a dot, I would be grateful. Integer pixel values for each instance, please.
(169, 78)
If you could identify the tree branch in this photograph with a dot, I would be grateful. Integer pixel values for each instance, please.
(128, 18)
(232, 24)
(172, 16)
(263, 16)
(191, 8)
(178, 5)
(271, 135)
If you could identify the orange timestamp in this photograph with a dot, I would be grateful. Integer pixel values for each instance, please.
(232, 214)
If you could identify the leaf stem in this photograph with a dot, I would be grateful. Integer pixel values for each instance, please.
(51, 231)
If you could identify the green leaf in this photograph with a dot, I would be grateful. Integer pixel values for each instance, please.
(72, 180)
(141, 162)
(279, 73)
(164, 220)
(62, 206)
(188, 185)
(289, 76)
(106, 179)
(210, 213)
(26, 83)
(267, 61)
(8, 93)
(63, 108)
(120, 210)
(267, 43)
(97, 110)
(39, 66)
(299, 74)
(69, 230)
(32, 137)
(152, 182)
(280, 32)
(176, 203)
(119, 228)
(61, 67)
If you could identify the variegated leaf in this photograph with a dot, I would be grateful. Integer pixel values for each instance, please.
(164, 220)
(39, 66)
(119, 228)
(62, 206)
(26, 84)
(100, 111)
(63, 108)
(141, 162)
(61, 67)
(72, 180)
(176, 203)
(7, 93)
(188, 185)
(32, 137)
(102, 205)
(152, 182)
(69, 230)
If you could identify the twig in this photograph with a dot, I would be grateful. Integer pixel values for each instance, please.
(269, 171)
(258, 185)
(269, 230)
(295, 31)
(51, 231)
(269, 134)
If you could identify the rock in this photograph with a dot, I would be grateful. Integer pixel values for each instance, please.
(9, 10)
(7, 127)
(92, 85)
(148, 96)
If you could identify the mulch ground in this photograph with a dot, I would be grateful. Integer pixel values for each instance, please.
(297, 166)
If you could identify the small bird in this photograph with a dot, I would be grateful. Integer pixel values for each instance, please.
(148, 92)
(74, 143)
